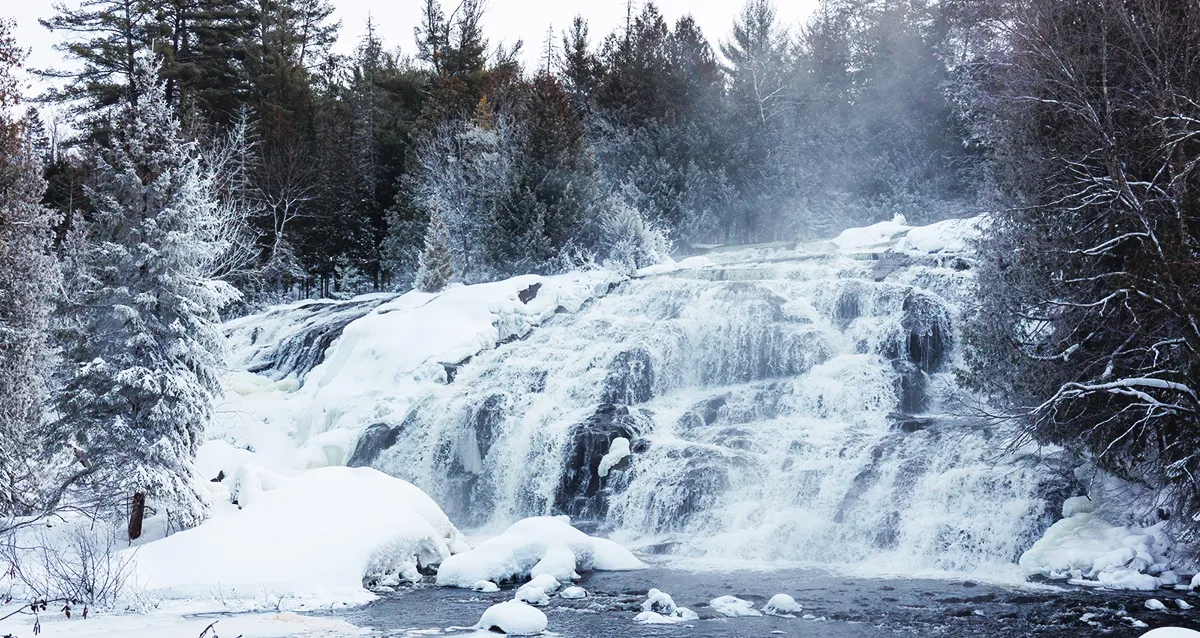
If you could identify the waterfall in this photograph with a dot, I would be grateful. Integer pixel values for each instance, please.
(781, 403)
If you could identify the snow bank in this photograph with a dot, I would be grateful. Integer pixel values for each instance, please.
(318, 534)
(946, 237)
(529, 546)
(159, 625)
(1089, 550)
(513, 618)
(871, 236)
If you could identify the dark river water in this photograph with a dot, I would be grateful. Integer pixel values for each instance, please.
(840, 606)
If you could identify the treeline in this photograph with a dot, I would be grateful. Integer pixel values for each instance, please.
(613, 149)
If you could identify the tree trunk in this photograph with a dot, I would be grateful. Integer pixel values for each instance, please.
(136, 515)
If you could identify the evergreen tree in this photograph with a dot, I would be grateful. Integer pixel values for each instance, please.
(104, 39)
(141, 335)
(435, 269)
(28, 279)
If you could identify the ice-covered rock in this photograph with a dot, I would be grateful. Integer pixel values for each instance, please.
(513, 555)
(514, 618)
(733, 607)
(782, 605)
(573, 593)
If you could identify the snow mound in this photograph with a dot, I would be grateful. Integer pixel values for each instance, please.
(486, 587)
(733, 607)
(1182, 604)
(518, 552)
(1089, 550)
(1171, 632)
(322, 533)
(1154, 604)
(782, 605)
(573, 593)
(652, 618)
(513, 618)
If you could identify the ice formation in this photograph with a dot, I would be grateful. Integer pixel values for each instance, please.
(1088, 549)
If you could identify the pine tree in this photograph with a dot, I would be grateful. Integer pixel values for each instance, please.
(141, 333)
(435, 270)
(28, 278)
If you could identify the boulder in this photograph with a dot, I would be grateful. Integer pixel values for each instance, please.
(373, 441)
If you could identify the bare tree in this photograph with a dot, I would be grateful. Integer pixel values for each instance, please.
(1091, 280)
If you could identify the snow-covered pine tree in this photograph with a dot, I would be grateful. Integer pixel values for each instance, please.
(142, 332)
(434, 270)
(28, 278)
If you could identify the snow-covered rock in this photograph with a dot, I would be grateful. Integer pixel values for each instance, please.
(1171, 632)
(733, 607)
(1182, 604)
(532, 596)
(782, 605)
(573, 593)
(514, 554)
(659, 602)
(321, 533)
(1154, 604)
(545, 582)
(513, 618)
(652, 618)
(486, 587)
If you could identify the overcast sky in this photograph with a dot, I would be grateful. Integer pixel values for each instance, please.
(506, 21)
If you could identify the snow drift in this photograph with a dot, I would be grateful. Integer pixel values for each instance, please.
(320, 534)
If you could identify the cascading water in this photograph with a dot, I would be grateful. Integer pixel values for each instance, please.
(780, 406)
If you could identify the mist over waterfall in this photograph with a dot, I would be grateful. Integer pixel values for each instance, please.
(779, 403)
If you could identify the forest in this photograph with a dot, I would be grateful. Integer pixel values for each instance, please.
(216, 157)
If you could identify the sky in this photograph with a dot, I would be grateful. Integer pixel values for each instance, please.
(505, 21)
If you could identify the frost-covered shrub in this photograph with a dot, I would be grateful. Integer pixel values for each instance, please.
(628, 241)
(80, 560)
